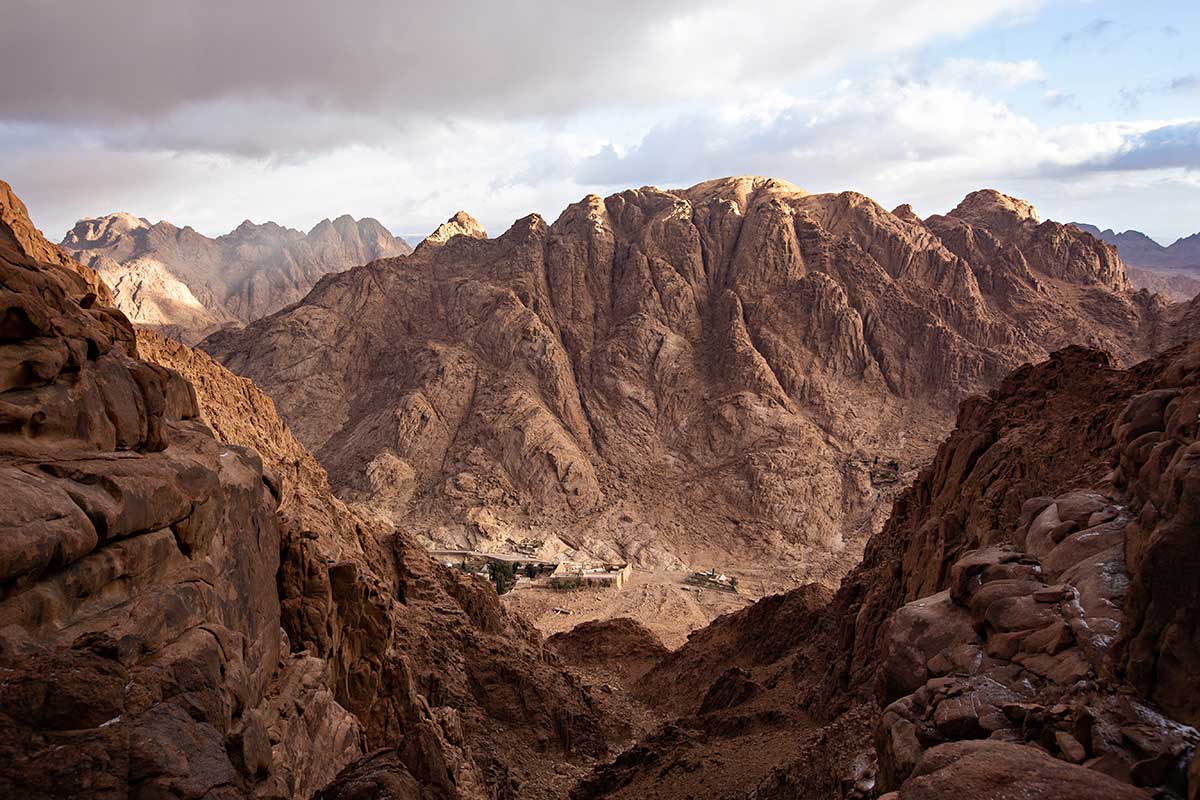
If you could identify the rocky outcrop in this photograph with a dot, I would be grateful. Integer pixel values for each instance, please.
(184, 285)
(995, 770)
(738, 371)
(461, 224)
(1018, 650)
(187, 611)
(619, 646)
(140, 646)
(458, 693)
(1021, 625)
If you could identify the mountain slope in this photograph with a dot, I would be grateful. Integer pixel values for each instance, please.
(424, 657)
(185, 285)
(186, 610)
(1178, 286)
(139, 621)
(738, 373)
(1032, 595)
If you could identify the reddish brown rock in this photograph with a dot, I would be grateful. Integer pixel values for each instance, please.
(183, 615)
(140, 645)
(619, 646)
(1180, 287)
(996, 770)
(742, 369)
(412, 646)
(1049, 664)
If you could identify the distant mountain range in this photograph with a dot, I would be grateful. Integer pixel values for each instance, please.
(1139, 250)
(185, 285)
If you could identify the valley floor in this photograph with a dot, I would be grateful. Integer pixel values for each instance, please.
(659, 600)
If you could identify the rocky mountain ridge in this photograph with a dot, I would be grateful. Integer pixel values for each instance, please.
(186, 610)
(737, 373)
(1139, 250)
(186, 285)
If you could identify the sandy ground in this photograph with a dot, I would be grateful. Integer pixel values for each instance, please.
(658, 600)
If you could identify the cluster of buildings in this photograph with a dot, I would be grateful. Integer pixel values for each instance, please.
(569, 575)
(528, 570)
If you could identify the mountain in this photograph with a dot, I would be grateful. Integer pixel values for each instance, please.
(739, 373)
(1139, 250)
(1023, 626)
(185, 285)
(186, 611)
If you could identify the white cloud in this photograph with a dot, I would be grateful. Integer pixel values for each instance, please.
(407, 112)
(900, 140)
(979, 74)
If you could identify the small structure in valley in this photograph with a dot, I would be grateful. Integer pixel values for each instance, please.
(570, 575)
(712, 580)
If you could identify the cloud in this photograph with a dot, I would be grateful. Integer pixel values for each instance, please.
(974, 73)
(890, 137)
(865, 134)
(1185, 84)
(1093, 30)
(206, 113)
(286, 77)
(1054, 98)
(1165, 147)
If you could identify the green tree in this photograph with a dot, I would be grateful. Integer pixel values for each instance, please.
(502, 575)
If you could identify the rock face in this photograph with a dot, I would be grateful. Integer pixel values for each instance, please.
(739, 358)
(140, 644)
(460, 692)
(619, 646)
(187, 611)
(184, 285)
(1022, 626)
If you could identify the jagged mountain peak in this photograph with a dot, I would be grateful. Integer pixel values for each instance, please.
(254, 232)
(104, 229)
(739, 188)
(460, 224)
(186, 285)
(905, 212)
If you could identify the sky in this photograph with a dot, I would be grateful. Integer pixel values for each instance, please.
(206, 113)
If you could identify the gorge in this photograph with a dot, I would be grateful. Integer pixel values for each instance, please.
(974, 532)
